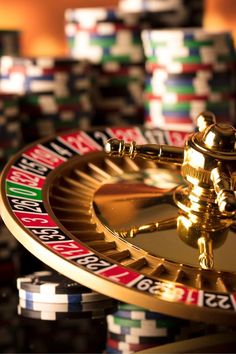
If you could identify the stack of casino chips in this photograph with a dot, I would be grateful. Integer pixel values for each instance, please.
(133, 329)
(12, 74)
(167, 13)
(111, 41)
(10, 127)
(55, 93)
(9, 42)
(103, 35)
(61, 76)
(50, 296)
(189, 71)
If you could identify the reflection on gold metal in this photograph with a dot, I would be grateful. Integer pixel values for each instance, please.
(206, 252)
(95, 221)
(207, 205)
(164, 224)
(160, 153)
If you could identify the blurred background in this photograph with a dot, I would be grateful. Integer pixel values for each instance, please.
(42, 23)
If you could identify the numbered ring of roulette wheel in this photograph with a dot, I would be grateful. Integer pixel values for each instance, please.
(64, 199)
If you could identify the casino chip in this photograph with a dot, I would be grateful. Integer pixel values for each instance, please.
(54, 93)
(44, 75)
(67, 307)
(137, 339)
(53, 316)
(52, 287)
(123, 346)
(132, 329)
(189, 71)
(136, 314)
(168, 13)
(48, 295)
(143, 323)
(54, 311)
(111, 42)
(10, 127)
(107, 35)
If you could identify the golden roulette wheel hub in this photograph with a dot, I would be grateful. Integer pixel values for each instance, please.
(67, 202)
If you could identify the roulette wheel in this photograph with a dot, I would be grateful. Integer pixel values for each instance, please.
(75, 207)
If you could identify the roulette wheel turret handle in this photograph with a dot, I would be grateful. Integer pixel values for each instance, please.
(207, 202)
(157, 153)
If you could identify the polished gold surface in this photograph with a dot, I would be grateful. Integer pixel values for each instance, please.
(93, 197)
(207, 205)
(133, 200)
(157, 153)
